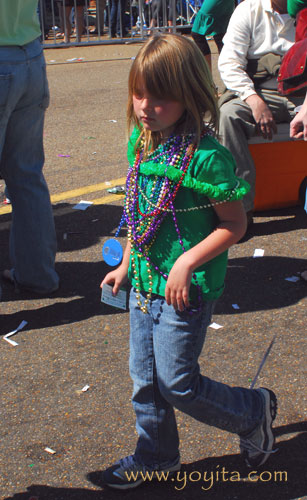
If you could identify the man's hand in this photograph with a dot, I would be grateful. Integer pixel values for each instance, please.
(262, 116)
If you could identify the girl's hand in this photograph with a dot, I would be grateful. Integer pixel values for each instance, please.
(178, 284)
(117, 278)
(231, 228)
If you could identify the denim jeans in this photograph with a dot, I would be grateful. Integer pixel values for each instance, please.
(24, 97)
(117, 15)
(164, 349)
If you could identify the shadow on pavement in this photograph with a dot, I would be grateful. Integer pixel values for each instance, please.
(76, 229)
(259, 284)
(285, 220)
(254, 284)
(283, 478)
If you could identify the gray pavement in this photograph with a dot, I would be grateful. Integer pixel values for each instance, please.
(72, 340)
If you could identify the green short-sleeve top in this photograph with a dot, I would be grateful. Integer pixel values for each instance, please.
(210, 175)
(294, 6)
(213, 17)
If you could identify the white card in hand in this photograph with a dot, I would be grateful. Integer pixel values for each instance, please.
(118, 300)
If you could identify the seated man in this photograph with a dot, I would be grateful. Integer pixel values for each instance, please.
(259, 32)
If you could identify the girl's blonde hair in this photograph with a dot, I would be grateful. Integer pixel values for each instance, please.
(172, 67)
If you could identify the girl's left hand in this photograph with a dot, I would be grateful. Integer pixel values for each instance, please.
(178, 284)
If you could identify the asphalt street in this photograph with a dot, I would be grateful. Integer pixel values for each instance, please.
(71, 340)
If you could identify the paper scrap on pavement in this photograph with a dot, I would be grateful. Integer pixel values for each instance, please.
(85, 388)
(294, 279)
(259, 252)
(63, 156)
(215, 326)
(50, 450)
(12, 342)
(117, 189)
(82, 205)
(235, 306)
(113, 121)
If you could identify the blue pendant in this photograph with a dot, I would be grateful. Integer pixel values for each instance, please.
(112, 252)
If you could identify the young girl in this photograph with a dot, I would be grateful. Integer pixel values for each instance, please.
(183, 212)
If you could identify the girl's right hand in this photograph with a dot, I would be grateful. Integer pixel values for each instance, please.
(117, 278)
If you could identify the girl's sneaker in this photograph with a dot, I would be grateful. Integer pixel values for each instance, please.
(257, 446)
(127, 473)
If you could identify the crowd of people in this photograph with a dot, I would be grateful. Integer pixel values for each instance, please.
(189, 197)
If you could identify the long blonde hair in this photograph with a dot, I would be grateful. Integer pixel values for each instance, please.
(172, 67)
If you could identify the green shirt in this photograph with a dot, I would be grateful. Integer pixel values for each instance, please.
(210, 174)
(19, 23)
(213, 17)
(294, 6)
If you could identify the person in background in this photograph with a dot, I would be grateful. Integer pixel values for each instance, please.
(298, 126)
(79, 19)
(211, 20)
(100, 17)
(24, 97)
(294, 6)
(117, 18)
(259, 31)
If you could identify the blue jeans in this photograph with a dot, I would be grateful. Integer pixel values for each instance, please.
(117, 15)
(24, 97)
(164, 349)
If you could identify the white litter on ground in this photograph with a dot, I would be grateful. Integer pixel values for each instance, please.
(50, 450)
(259, 252)
(215, 326)
(293, 279)
(12, 342)
(83, 205)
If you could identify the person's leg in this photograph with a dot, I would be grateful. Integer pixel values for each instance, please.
(203, 45)
(32, 237)
(100, 10)
(113, 16)
(157, 448)
(79, 20)
(158, 443)
(178, 341)
(61, 18)
(67, 24)
(282, 107)
(155, 15)
(236, 126)
(219, 41)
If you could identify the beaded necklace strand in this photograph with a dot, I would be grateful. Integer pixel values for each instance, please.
(143, 224)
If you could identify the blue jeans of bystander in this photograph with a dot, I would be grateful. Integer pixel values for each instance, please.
(164, 349)
(24, 97)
